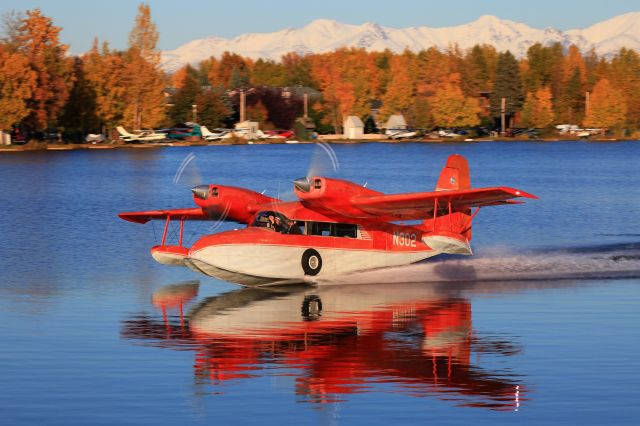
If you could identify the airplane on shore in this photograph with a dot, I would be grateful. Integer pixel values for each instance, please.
(335, 228)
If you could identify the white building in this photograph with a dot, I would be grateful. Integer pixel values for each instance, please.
(353, 127)
(396, 122)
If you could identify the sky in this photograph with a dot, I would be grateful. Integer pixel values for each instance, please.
(181, 22)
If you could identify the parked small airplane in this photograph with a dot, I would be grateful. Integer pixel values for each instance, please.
(337, 227)
(401, 133)
(145, 136)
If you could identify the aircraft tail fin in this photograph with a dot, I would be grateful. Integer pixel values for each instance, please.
(454, 175)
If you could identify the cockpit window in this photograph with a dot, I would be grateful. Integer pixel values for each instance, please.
(277, 222)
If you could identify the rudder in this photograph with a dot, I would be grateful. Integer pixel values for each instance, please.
(454, 175)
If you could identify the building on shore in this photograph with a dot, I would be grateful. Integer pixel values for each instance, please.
(353, 127)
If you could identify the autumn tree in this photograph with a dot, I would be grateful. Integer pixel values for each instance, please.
(231, 71)
(38, 40)
(329, 70)
(402, 86)
(104, 71)
(430, 70)
(607, 107)
(450, 108)
(537, 110)
(144, 81)
(17, 84)
(508, 86)
(624, 73)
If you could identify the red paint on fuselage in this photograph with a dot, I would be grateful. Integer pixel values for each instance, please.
(374, 235)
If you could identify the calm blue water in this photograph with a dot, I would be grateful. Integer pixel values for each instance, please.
(95, 332)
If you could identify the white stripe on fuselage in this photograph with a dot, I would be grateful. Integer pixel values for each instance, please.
(285, 262)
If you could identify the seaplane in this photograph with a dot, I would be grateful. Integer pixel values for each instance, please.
(334, 228)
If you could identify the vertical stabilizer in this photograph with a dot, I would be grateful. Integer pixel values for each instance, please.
(455, 175)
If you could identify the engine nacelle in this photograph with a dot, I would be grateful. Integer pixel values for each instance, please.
(229, 202)
(332, 195)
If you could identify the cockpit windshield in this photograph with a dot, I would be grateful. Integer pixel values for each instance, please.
(276, 222)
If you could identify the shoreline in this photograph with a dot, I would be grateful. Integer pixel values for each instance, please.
(76, 147)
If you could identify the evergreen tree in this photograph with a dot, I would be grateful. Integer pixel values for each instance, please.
(571, 107)
(370, 125)
(184, 99)
(238, 79)
(79, 114)
(214, 108)
(508, 85)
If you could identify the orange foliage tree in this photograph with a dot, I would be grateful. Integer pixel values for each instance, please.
(607, 108)
(144, 81)
(537, 110)
(38, 40)
(105, 73)
(401, 89)
(450, 108)
(17, 84)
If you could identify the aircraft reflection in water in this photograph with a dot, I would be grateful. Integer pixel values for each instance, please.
(338, 340)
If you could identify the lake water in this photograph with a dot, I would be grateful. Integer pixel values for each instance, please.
(540, 327)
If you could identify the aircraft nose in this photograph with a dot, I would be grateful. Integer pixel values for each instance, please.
(303, 184)
(201, 191)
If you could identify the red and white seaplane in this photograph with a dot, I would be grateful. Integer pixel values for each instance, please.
(337, 227)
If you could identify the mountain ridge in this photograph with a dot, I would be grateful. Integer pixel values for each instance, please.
(324, 35)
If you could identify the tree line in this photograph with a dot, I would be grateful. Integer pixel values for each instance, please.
(41, 87)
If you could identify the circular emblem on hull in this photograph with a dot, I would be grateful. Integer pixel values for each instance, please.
(311, 262)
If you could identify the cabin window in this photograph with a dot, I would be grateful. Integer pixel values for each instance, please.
(214, 191)
(319, 228)
(344, 230)
(328, 229)
(317, 183)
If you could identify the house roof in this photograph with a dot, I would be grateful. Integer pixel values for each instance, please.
(353, 121)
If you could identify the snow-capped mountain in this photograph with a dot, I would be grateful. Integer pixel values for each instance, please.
(323, 35)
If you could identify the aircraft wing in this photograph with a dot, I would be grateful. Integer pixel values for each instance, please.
(175, 214)
(420, 205)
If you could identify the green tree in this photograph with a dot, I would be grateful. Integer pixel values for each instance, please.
(79, 114)
(214, 108)
(184, 99)
(508, 85)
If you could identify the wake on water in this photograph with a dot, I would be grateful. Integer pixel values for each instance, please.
(499, 264)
